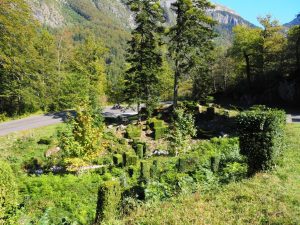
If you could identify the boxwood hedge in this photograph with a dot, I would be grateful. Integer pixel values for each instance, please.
(261, 134)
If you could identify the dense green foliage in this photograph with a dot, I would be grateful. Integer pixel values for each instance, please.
(190, 42)
(261, 137)
(22, 71)
(263, 64)
(8, 192)
(59, 199)
(144, 56)
(39, 70)
(109, 200)
(181, 131)
(55, 177)
(265, 198)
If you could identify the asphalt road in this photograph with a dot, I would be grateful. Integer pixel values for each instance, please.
(293, 118)
(50, 119)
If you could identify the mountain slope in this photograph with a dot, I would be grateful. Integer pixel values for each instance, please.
(111, 21)
(59, 13)
(227, 19)
(294, 22)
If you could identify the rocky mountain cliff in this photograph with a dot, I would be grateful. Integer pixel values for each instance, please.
(294, 22)
(59, 13)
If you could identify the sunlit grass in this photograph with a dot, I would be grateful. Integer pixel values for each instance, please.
(267, 198)
(21, 146)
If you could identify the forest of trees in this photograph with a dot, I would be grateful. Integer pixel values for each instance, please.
(50, 70)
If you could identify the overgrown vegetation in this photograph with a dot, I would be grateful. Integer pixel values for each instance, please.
(123, 172)
(86, 171)
(270, 197)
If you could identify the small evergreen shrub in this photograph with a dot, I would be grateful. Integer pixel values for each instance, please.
(159, 132)
(8, 191)
(215, 163)
(154, 169)
(118, 160)
(144, 170)
(109, 199)
(133, 131)
(129, 159)
(261, 134)
(159, 127)
(188, 163)
(140, 150)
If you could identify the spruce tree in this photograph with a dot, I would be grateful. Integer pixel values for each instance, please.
(144, 56)
(190, 40)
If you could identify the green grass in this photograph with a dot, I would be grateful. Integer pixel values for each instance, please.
(19, 147)
(267, 198)
(48, 199)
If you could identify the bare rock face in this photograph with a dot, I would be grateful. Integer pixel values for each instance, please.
(48, 13)
(59, 13)
(220, 13)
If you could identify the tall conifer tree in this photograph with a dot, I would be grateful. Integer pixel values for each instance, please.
(190, 40)
(144, 56)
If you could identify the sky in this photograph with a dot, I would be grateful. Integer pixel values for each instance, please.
(282, 10)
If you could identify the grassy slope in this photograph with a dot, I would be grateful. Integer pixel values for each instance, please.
(22, 146)
(48, 197)
(267, 198)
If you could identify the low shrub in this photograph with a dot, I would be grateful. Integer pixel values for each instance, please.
(261, 137)
(8, 191)
(159, 128)
(145, 171)
(64, 197)
(155, 123)
(109, 199)
(140, 150)
(188, 163)
(44, 141)
(118, 160)
(133, 131)
(129, 159)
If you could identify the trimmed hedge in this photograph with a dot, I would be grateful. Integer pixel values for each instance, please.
(109, 198)
(118, 160)
(129, 159)
(261, 134)
(159, 128)
(159, 132)
(140, 150)
(133, 131)
(8, 191)
(188, 163)
(145, 170)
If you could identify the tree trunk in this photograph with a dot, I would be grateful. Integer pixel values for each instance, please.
(138, 111)
(297, 54)
(176, 85)
(248, 71)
